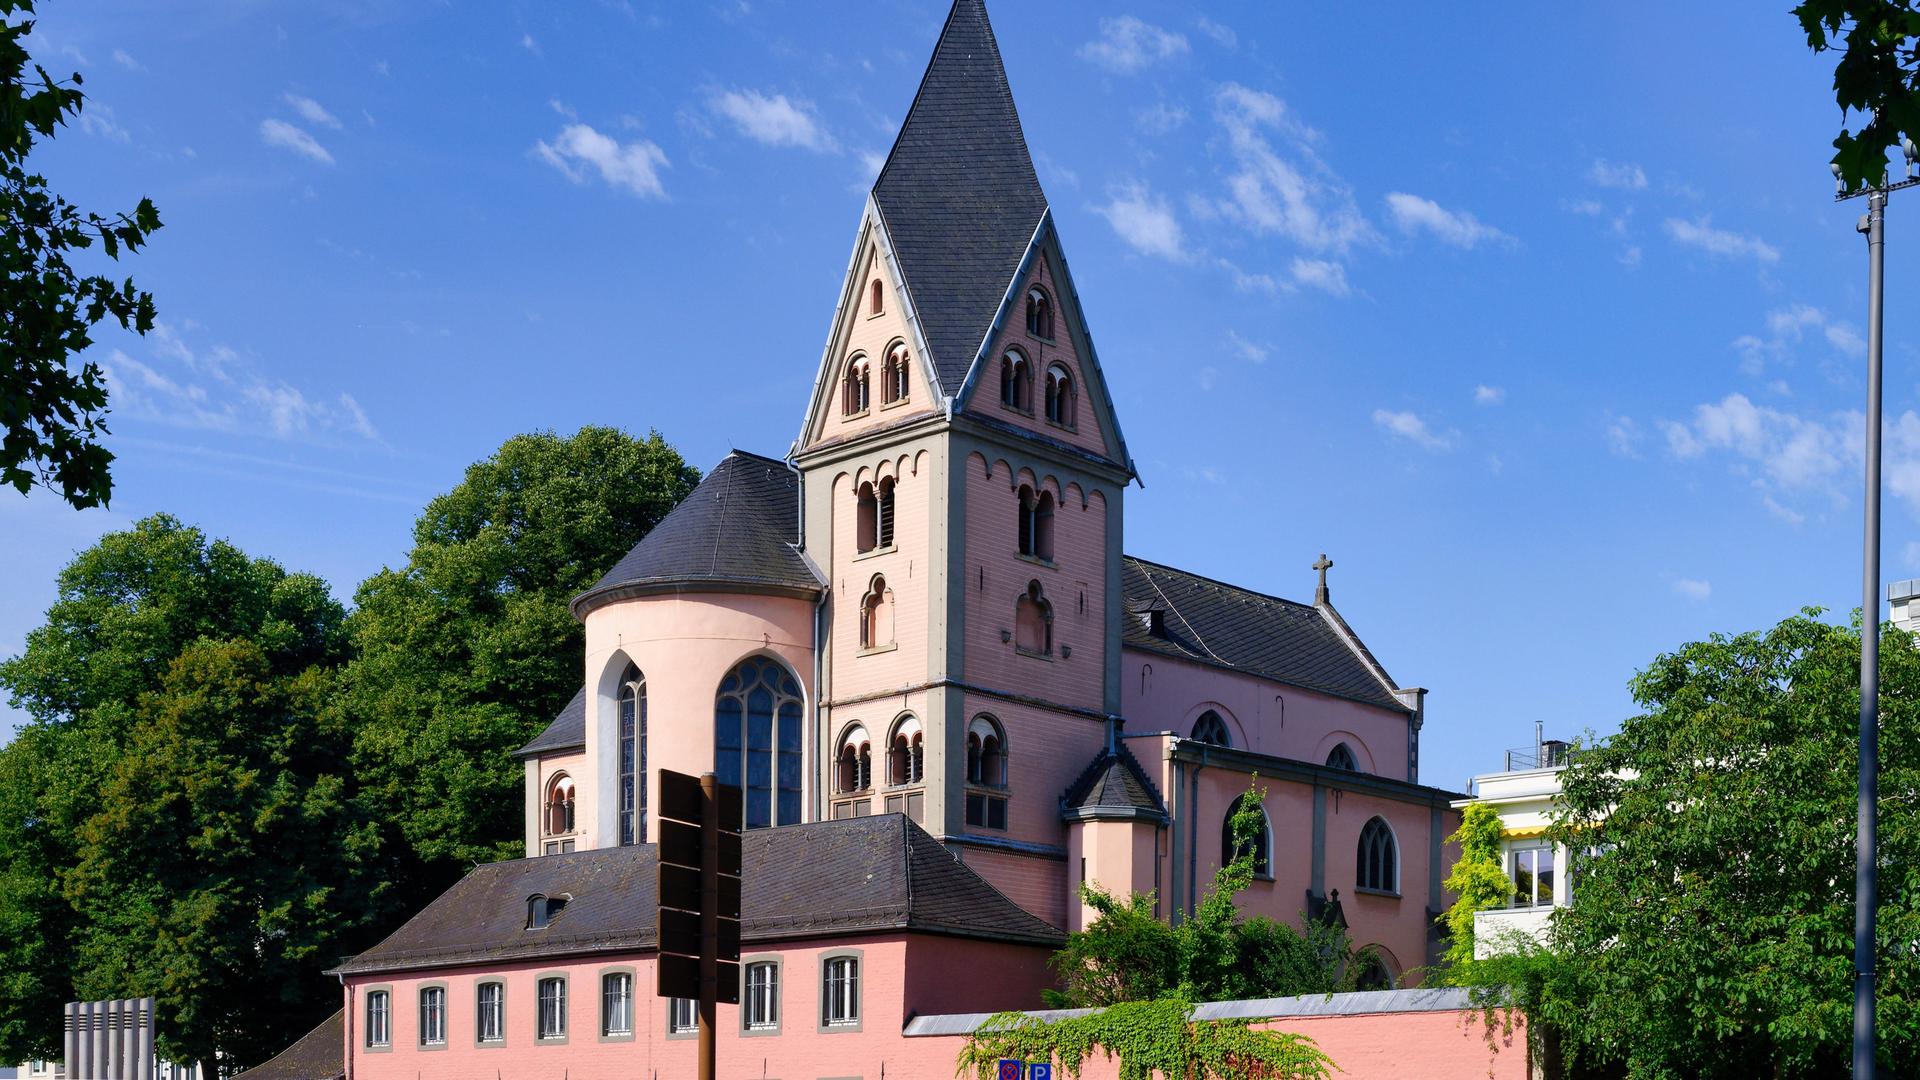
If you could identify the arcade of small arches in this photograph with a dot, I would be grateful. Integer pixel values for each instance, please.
(1016, 388)
(856, 385)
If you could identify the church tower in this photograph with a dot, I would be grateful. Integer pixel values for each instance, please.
(963, 479)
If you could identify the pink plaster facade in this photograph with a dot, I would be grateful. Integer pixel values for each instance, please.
(1084, 428)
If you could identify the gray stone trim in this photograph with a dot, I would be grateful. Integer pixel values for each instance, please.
(971, 688)
(366, 995)
(593, 599)
(860, 1000)
(600, 1003)
(1359, 1003)
(1113, 813)
(1319, 886)
(566, 1013)
(446, 1016)
(1307, 772)
(779, 963)
(490, 1044)
(666, 1019)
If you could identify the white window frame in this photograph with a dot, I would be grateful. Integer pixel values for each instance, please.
(481, 1037)
(433, 1035)
(760, 1006)
(542, 1033)
(1532, 850)
(840, 1000)
(380, 1035)
(609, 1033)
(681, 1026)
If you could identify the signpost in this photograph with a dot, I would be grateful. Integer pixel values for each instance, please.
(699, 919)
(1010, 1069)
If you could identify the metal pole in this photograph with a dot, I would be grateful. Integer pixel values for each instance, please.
(1865, 883)
(709, 918)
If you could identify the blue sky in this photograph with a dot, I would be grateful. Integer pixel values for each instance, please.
(1546, 331)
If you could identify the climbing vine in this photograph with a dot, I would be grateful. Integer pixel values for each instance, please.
(1478, 879)
(1150, 1038)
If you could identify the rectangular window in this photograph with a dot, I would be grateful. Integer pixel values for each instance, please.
(683, 1016)
(762, 1004)
(491, 1025)
(1533, 876)
(986, 811)
(433, 1016)
(553, 1008)
(840, 992)
(379, 1018)
(616, 1004)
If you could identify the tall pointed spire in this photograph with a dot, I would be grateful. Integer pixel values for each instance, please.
(958, 194)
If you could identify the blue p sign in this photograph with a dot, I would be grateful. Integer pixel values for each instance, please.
(1040, 1070)
(1009, 1069)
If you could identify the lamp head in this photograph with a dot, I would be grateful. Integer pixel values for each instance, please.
(1913, 158)
(1839, 184)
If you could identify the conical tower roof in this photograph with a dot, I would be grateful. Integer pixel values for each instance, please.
(958, 194)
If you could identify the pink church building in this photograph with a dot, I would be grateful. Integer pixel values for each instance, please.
(950, 697)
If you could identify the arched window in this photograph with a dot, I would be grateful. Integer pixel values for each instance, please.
(876, 615)
(1033, 622)
(986, 768)
(1016, 381)
(855, 761)
(633, 757)
(873, 306)
(1036, 523)
(1059, 396)
(1039, 313)
(1260, 846)
(854, 396)
(896, 374)
(1374, 973)
(905, 760)
(1341, 757)
(1379, 858)
(757, 739)
(1211, 729)
(542, 910)
(560, 805)
(883, 523)
(867, 519)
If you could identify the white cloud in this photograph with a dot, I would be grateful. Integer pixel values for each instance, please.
(532, 46)
(121, 57)
(214, 388)
(1693, 589)
(1247, 350)
(1629, 256)
(1623, 437)
(1409, 426)
(1623, 175)
(1787, 328)
(1786, 452)
(633, 166)
(1786, 514)
(1700, 233)
(1583, 207)
(282, 134)
(1251, 282)
(97, 119)
(1161, 118)
(1127, 45)
(1489, 395)
(1457, 227)
(872, 161)
(1285, 190)
(1145, 222)
(1323, 274)
(1221, 34)
(773, 119)
(312, 111)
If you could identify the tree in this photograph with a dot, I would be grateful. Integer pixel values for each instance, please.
(51, 415)
(1878, 76)
(1478, 880)
(465, 653)
(1713, 840)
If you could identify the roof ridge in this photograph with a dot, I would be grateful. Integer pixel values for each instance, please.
(1219, 582)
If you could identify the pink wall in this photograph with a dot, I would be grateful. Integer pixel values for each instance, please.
(1118, 856)
(998, 976)
(863, 333)
(1085, 432)
(905, 569)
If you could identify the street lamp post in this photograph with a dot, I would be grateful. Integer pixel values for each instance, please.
(1865, 877)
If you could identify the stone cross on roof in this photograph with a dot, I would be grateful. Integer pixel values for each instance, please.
(1322, 564)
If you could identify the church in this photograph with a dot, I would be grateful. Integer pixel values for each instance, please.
(950, 697)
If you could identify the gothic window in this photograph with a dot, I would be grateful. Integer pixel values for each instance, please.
(1016, 381)
(1059, 396)
(757, 739)
(1259, 846)
(1379, 858)
(1033, 622)
(896, 375)
(855, 761)
(1341, 757)
(873, 305)
(876, 615)
(1036, 523)
(1039, 313)
(854, 394)
(1374, 974)
(560, 802)
(1211, 729)
(906, 762)
(986, 768)
(633, 757)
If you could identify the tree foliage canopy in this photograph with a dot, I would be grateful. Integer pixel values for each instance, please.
(1877, 76)
(52, 415)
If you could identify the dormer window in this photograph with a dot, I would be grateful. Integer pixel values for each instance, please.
(1039, 313)
(542, 910)
(1016, 381)
(855, 391)
(1059, 396)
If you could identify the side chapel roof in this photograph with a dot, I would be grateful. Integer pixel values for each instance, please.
(320, 1054)
(567, 731)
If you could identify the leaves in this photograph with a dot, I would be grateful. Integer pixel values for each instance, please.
(1877, 76)
(1150, 1039)
(1478, 881)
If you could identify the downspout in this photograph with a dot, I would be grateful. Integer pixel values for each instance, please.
(347, 1019)
(1175, 903)
(1193, 833)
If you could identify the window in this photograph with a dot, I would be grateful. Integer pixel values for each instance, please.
(560, 805)
(883, 524)
(856, 389)
(542, 910)
(867, 519)
(683, 1016)
(1379, 867)
(1533, 877)
(986, 753)
(873, 305)
(760, 1007)
(1016, 381)
(757, 736)
(855, 760)
(1259, 846)
(1211, 729)
(840, 992)
(433, 1016)
(1341, 757)
(1059, 396)
(633, 757)
(1039, 313)
(905, 758)
(1375, 974)
(379, 1018)
(1036, 523)
(616, 1003)
(986, 811)
(553, 1008)
(876, 615)
(491, 1024)
(895, 387)
(1033, 622)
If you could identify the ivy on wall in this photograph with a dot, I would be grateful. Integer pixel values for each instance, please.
(1150, 1039)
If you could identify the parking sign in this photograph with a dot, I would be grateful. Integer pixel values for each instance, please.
(1009, 1069)
(1040, 1070)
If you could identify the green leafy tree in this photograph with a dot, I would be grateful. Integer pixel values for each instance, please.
(51, 414)
(1877, 76)
(1478, 879)
(467, 651)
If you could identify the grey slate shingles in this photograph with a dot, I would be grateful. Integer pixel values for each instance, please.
(1213, 622)
(1114, 781)
(959, 194)
(320, 1054)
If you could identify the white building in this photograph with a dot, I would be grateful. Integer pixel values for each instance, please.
(1523, 793)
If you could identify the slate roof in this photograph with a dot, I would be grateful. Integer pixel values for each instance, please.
(320, 1054)
(864, 875)
(1114, 781)
(1216, 623)
(958, 194)
(568, 731)
(737, 528)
